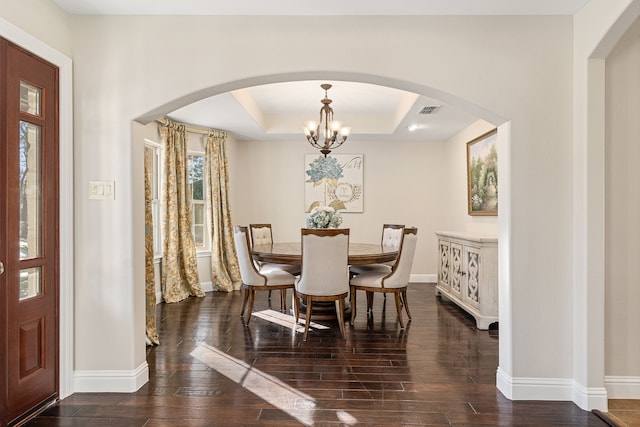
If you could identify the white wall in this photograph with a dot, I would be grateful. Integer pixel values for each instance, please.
(598, 27)
(458, 218)
(43, 19)
(542, 82)
(419, 184)
(125, 71)
(404, 183)
(622, 176)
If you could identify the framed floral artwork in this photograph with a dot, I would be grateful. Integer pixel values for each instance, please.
(482, 174)
(334, 181)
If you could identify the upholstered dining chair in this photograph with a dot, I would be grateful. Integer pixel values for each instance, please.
(264, 278)
(262, 234)
(325, 272)
(393, 281)
(391, 236)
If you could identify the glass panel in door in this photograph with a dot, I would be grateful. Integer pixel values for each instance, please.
(30, 190)
(30, 99)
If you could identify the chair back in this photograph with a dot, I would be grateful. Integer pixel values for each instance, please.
(248, 271)
(401, 271)
(261, 234)
(392, 235)
(325, 265)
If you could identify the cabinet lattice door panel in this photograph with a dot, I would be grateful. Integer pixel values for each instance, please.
(472, 270)
(443, 270)
(456, 268)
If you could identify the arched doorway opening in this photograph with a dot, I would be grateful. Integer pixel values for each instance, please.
(490, 117)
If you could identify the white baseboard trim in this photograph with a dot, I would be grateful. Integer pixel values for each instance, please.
(622, 387)
(551, 389)
(115, 381)
(423, 278)
(533, 388)
(589, 398)
(207, 286)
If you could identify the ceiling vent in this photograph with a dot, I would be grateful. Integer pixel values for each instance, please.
(429, 109)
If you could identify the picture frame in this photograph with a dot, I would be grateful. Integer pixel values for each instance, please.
(335, 181)
(482, 175)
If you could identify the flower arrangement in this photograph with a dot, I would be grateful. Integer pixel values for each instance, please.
(323, 217)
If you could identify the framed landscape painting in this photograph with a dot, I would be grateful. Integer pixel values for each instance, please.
(482, 174)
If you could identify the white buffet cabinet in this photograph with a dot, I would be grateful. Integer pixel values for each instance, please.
(468, 274)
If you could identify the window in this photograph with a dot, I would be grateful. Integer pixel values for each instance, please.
(198, 201)
(152, 152)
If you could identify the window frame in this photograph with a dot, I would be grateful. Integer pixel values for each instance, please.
(204, 204)
(157, 201)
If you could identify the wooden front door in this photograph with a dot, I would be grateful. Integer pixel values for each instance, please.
(29, 240)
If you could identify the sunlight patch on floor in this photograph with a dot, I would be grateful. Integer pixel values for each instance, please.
(269, 388)
(286, 320)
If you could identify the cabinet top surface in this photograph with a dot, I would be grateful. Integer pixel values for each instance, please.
(465, 235)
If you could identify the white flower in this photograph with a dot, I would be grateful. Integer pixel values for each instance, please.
(323, 217)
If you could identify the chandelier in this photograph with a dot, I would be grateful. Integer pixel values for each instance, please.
(326, 134)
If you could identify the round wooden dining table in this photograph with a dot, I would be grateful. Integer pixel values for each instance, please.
(291, 253)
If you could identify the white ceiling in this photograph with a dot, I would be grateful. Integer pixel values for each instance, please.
(278, 111)
(324, 7)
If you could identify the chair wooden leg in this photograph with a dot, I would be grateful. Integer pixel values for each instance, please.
(353, 305)
(283, 299)
(245, 298)
(340, 313)
(399, 309)
(296, 306)
(308, 319)
(406, 304)
(252, 297)
(369, 301)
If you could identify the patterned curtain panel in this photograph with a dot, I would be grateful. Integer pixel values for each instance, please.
(150, 282)
(179, 269)
(225, 273)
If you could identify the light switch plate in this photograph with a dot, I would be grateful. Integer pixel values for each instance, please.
(102, 190)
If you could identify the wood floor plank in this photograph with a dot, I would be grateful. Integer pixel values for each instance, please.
(211, 370)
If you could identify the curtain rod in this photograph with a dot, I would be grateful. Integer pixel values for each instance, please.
(189, 128)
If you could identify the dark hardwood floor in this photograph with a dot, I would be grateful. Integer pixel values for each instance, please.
(211, 370)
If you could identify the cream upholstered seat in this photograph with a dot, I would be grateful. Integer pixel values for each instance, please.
(391, 237)
(325, 272)
(262, 234)
(264, 278)
(395, 280)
